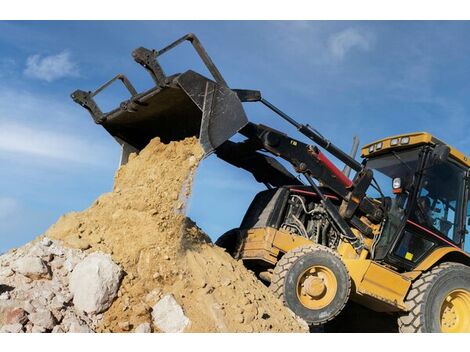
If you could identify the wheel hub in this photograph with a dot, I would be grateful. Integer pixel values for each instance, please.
(316, 287)
(455, 312)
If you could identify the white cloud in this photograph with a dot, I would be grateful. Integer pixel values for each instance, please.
(341, 43)
(41, 143)
(51, 68)
(48, 131)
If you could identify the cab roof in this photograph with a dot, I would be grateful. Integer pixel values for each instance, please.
(408, 140)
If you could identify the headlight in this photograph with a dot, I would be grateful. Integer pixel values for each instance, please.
(394, 142)
(405, 140)
(371, 149)
(378, 146)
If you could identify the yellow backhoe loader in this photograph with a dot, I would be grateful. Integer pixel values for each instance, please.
(392, 238)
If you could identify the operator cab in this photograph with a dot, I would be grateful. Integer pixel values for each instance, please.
(425, 184)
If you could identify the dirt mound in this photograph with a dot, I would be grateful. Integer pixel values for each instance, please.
(142, 225)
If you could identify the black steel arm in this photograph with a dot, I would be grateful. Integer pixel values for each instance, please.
(246, 95)
(264, 168)
(304, 158)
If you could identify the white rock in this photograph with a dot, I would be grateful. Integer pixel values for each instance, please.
(168, 315)
(12, 328)
(143, 328)
(46, 242)
(94, 283)
(42, 318)
(31, 267)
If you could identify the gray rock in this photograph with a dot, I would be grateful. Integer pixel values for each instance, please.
(12, 328)
(94, 283)
(143, 328)
(168, 315)
(31, 267)
(42, 318)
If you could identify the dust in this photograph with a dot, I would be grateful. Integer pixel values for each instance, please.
(142, 225)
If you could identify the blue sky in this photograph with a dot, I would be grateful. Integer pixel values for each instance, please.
(372, 79)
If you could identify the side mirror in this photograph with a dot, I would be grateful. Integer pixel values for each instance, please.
(440, 154)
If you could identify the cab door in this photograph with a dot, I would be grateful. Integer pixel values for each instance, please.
(437, 217)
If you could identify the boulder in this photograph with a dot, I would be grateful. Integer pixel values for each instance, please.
(32, 267)
(168, 315)
(94, 283)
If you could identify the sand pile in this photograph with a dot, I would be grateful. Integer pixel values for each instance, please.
(168, 262)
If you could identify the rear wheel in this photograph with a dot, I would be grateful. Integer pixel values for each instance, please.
(313, 282)
(439, 301)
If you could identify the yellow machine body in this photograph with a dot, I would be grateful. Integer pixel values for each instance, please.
(374, 285)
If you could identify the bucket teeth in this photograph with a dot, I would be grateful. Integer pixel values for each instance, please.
(177, 107)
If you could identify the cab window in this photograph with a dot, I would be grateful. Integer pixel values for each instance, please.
(439, 200)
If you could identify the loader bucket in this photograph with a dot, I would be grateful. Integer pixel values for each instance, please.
(191, 105)
(179, 106)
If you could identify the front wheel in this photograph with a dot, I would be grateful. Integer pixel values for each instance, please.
(313, 282)
(439, 301)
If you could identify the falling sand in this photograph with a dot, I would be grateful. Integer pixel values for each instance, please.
(141, 223)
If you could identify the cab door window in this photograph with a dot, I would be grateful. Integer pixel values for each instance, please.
(440, 199)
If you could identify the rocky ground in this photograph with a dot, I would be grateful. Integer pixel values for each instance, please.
(133, 262)
(46, 287)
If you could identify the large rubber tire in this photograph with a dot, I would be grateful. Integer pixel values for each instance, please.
(291, 268)
(229, 241)
(427, 297)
